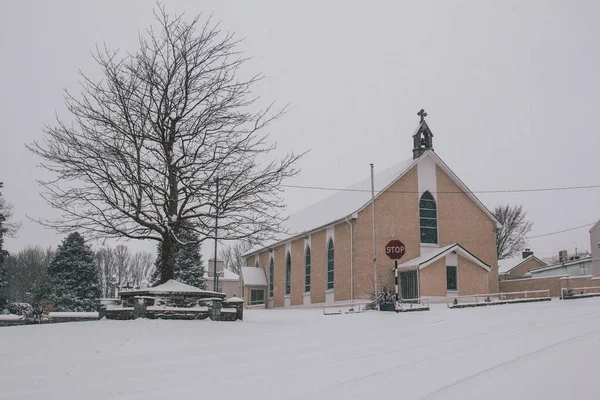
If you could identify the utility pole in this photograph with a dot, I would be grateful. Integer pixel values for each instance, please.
(374, 241)
(215, 276)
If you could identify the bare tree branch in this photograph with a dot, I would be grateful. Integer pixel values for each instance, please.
(148, 141)
(510, 239)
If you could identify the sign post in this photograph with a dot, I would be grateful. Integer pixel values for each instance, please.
(395, 249)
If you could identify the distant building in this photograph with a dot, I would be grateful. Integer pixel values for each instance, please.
(448, 238)
(575, 266)
(228, 282)
(517, 267)
(595, 248)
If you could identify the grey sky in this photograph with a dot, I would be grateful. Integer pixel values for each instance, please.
(510, 87)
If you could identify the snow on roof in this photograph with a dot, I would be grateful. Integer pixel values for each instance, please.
(340, 204)
(170, 286)
(508, 264)
(253, 276)
(230, 275)
(174, 286)
(559, 265)
(346, 202)
(429, 258)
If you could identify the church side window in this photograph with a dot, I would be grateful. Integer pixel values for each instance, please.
(428, 219)
(307, 270)
(330, 265)
(271, 276)
(288, 273)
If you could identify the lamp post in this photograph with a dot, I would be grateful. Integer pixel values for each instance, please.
(215, 276)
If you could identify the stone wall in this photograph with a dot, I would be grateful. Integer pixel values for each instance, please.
(553, 283)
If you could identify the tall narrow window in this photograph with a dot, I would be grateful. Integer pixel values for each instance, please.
(256, 265)
(288, 273)
(451, 279)
(428, 219)
(330, 264)
(271, 276)
(307, 270)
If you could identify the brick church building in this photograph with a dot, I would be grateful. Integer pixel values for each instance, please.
(448, 234)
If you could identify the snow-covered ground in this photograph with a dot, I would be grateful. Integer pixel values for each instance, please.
(539, 350)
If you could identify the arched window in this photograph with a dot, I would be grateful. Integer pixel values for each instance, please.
(330, 264)
(307, 270)
(428, 219)
(288, 273)
(271, 275)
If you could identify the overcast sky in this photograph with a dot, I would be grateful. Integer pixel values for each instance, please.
(511, 89)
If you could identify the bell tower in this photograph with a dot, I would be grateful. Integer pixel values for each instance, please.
(423, 138)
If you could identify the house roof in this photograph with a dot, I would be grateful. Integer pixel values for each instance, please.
(431, 257)
(560, 265)
(228, 275)
(347, 202)
(170, 286)
(253, 276)
(508, 264)
(596, 225)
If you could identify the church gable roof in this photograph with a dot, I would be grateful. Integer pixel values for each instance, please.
(355, 198)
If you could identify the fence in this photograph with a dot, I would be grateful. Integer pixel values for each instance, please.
(345, 308)
(573, 293)
(497, 298)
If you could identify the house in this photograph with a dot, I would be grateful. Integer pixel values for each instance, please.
(595, 248)
(447, 234)
(517, 267)
(572, 267)
(228, 281)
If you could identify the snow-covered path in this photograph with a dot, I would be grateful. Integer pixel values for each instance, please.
(540, 350)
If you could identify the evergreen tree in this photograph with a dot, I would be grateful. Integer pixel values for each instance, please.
(189, 268)
(72, 279)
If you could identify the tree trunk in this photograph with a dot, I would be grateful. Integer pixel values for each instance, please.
(169, 254)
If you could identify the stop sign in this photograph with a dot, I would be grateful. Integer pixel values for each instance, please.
(395, 249)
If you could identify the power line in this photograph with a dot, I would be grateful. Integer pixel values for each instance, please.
(555, 189)
(557, 232)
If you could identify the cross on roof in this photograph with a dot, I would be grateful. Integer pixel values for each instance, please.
(422, 114)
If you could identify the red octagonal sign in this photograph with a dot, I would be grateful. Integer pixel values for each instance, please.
(395, 249)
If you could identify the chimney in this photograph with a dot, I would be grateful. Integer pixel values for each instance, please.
(527, 253)
(562, 256)
(220, 267)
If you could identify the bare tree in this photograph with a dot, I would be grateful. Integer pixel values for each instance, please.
(27, 272)
(232, 255)
(149, 142)
(510, 239)
(105, 263)
(142, 266)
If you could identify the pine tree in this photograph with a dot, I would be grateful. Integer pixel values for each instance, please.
(72, 279)
(189, 268)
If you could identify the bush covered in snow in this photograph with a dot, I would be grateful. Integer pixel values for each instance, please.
(20, 308)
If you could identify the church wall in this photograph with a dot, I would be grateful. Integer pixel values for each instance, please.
(318, 269)
(472, 279)
(461, 221)
(279, 275)
(297, 282)
(341, 263)
(396, 217)
(432, 279)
